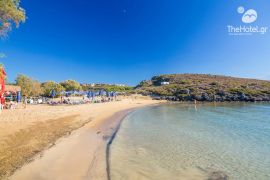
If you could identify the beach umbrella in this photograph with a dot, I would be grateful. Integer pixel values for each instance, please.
(19, 96)
(83, 93)
(76, 92)
(53, 93)
(89, 94)
(73, 92)
(103, 93)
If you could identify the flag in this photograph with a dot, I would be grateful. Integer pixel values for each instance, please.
(2, 85)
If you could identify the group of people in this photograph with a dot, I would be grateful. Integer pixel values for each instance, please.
(15, 104)
(82, 100)
(87, 97)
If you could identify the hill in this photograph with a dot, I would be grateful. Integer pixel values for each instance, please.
(204, 87)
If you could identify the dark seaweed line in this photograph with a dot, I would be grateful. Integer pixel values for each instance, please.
(108, 170)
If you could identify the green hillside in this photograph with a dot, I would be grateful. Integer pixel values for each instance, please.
(203, 87)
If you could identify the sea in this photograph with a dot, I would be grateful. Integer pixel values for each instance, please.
(187, 141)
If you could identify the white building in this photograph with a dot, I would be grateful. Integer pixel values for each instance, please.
(165, 83)
(122, 85)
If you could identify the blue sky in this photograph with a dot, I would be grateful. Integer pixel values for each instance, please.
(124, 41)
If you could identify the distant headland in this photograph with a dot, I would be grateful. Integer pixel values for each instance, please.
(205, 87)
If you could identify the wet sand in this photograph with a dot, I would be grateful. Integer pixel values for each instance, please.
(80, 154)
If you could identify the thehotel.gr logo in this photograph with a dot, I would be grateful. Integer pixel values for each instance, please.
(248, 17)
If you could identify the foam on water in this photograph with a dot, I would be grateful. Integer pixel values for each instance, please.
(180, 141)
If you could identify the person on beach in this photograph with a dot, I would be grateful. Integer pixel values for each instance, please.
(25, 102)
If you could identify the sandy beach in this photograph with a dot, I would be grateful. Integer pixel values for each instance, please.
(60, 142)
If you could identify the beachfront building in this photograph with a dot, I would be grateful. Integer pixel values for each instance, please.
(87, 84)
(12, 93)
(164, 83)
(121, 85)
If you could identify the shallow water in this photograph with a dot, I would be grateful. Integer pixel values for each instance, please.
(181, 141)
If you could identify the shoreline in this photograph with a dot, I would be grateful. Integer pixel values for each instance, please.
(120, 121)
(126, 113)
(116, 119)
(82, 154)
(215, 102)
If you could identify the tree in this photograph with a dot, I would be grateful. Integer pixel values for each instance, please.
(36, 88)
(29, 86)
(25, 83)
(71, 85)
(10, 13)
(51, 85)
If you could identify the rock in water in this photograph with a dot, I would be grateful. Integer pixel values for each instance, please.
(218, 175)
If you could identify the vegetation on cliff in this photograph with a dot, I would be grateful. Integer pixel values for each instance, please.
(203, 87)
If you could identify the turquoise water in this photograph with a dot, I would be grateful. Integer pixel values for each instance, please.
(181, 141)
